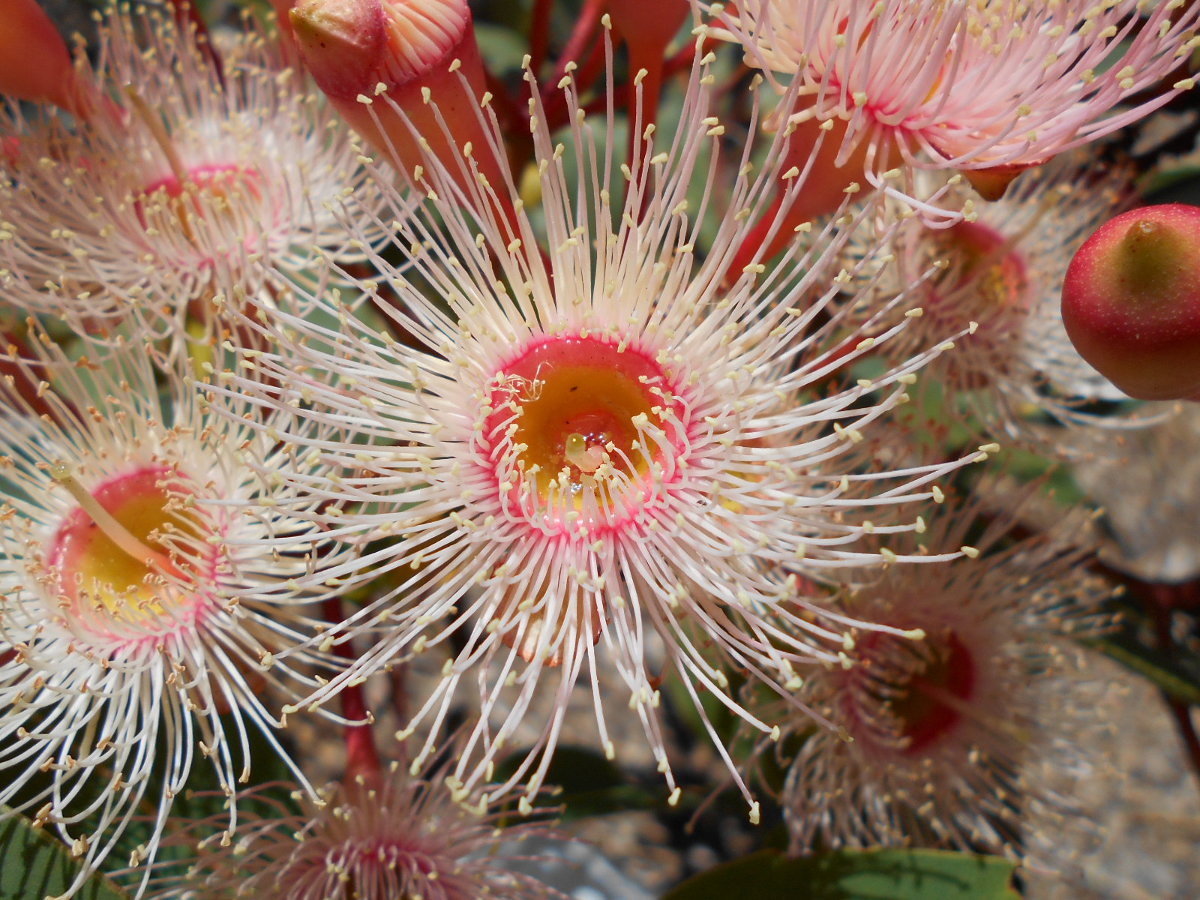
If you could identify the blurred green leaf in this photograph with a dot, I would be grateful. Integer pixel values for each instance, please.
(589, 784)
(501, 47)
(856, 875)
(1177, 674)
(1174, 186)
(34, 864)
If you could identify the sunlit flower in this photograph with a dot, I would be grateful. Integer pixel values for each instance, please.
(152, 584)
(944, 736)
(189, 184)
(376, 837)
(987, 87)
(594, 446)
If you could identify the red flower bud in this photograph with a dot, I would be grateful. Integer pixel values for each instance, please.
(342, 43)
(402, 72)
(34, 61)
(1131, 301)
(992, 182)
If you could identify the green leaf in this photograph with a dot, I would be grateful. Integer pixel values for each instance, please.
(1179, 676)
(856, 875)
(502, 48)
(1174, 186)
(34, 864)
(588, 784)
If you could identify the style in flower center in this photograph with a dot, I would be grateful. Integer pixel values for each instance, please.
(189, 194)
(579, 411)
(109, 556)
(929, 701)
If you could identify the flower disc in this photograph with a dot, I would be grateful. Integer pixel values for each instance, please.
(107, 585)
(580, 416)
(926, 698)
(213, 196)
(985, 262)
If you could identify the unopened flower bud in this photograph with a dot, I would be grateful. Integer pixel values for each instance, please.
(1131, 301)
(647, 29)
(34, 61)
(402, 72)
(645, 22)
(287, 39)
(991, 183)
(342, 44)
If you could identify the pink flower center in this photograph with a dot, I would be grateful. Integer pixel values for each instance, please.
(206, 194)
(903, 696)
(577, 413)
(927, 705)
(986, 276)
(119, 557)
(986, 283)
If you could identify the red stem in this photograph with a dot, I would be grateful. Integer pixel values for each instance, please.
(1180, 712)
(553, 102)
(187, 14)
(539, 34)
(589, 17)
(361, 756)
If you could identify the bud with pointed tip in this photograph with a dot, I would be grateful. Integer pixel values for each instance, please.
(647, 29)
(1131, 301)
(34, 61)
(342, 44)
(991, 182)
(817, 152)
(382, 62)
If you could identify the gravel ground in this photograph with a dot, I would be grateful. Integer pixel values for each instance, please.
(1142, 805)
(1146, 805)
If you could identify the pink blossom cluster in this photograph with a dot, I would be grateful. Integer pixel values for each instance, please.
(399, 415)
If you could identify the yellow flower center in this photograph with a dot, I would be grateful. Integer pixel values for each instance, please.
(113, 556)
(582, 411)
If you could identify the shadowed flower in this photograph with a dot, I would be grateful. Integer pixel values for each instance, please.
(944, 736)
(1001, 276)
(595, 448)
(152, 587)
(375, 837)
(34, 61)
(191, 186)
